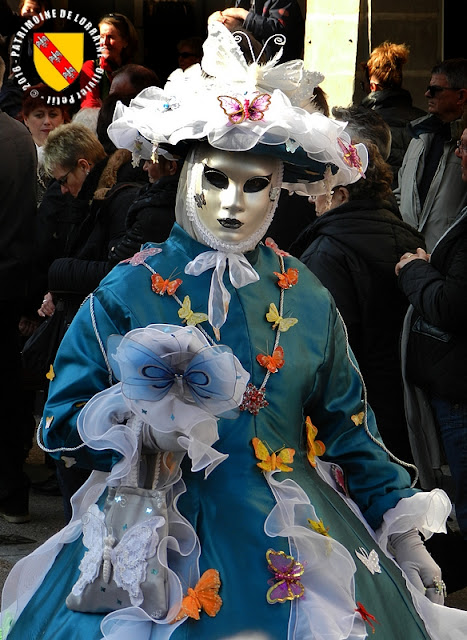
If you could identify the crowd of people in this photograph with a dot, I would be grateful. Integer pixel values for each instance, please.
(152, 225)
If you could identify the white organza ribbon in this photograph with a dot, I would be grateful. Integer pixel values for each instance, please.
(241, 273)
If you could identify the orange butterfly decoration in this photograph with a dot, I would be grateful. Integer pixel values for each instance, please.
(274, 460)
(272, 363)
(314, 447)
(287, 279)
(161, 286)
(204, 597)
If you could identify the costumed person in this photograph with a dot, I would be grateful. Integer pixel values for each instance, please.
(270, 540)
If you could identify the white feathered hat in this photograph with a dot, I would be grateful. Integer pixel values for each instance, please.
(236, 106)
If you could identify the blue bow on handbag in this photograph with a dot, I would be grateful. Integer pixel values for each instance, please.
(209, 377)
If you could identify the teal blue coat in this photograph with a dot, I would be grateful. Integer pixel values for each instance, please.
(229, 508)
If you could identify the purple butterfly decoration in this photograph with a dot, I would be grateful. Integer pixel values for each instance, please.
(140, 257)
(287, 571)
(249, 110)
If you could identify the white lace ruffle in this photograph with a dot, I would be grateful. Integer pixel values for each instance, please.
(425, 511)
(175, 424)
(329, 606)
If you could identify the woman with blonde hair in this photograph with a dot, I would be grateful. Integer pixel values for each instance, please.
(383, 81)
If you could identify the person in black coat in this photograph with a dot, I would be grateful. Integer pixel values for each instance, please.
(77, 226)
(18, 165)
(151, 215)
(352, 248)
(436, 286)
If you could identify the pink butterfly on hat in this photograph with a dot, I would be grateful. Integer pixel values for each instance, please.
(249, 110)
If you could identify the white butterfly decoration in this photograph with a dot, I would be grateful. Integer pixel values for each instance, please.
(128, 558)
(223, 59)
(370, 560)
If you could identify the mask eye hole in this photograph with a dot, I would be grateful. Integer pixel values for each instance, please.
(216, 178)
(258, 183)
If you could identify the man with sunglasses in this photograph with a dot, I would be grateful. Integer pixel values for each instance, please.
(431, 193)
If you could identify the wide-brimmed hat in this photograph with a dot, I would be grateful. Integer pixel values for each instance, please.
(236, 106)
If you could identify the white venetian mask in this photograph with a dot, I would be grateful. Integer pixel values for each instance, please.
(231, 197)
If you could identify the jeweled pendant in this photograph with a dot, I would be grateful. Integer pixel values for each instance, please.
(253, 399)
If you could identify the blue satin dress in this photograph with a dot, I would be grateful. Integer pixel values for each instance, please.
(228, 509)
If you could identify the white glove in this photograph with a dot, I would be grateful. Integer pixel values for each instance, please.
(418, 565)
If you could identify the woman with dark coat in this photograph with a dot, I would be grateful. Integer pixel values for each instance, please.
(152, 213)
(352, 248)
(77, 226)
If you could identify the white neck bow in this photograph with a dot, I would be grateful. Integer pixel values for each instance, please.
(241, 273)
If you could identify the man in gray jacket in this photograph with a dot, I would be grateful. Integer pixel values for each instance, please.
(430, 192)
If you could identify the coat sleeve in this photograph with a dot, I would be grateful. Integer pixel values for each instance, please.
(274, 21)
(440, 299)
(374, 482)
(74, 275)
(80, 373)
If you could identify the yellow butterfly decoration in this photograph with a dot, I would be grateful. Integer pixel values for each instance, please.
(318, 526)
(274, 460)
(51, 373)
(314, 447)
(357, 418)
(188, 316)
(273, 316)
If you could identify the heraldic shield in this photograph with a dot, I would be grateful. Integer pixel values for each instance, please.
(58, 58)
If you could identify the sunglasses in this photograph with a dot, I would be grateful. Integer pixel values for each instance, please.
(185, 54)
(433, 89)
(63, 180)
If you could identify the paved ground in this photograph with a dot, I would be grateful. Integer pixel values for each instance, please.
(17, 541)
